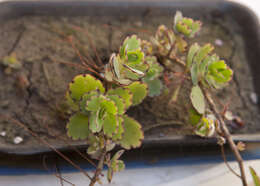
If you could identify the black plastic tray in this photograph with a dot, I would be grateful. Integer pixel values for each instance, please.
(242, 15)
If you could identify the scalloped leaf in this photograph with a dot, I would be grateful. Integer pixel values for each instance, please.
(125, 94)
(139, 91)
(110, 125)
(70, 103)
(120, 103)
(155, 69)
(85, 98)
(197, 99)
(133, 135)
(78, 126)
(120, 130)
(83, 84)
(132, 43)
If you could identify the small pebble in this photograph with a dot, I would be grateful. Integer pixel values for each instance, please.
(139, 23)
(218, 42)
(161, 135)
(254, 97)
(3, 133)
(18, 140)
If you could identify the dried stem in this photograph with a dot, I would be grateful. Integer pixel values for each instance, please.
(55, 174)
(225, 161)
(99, 167)
(227, 135)
(45, 143)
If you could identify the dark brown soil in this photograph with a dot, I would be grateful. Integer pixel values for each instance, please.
(38, 43)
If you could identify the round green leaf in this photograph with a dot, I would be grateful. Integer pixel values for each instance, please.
(78, 126)
(139, 91)
(133, 135)
(110, 125)
(82, 84)
(125, 94)
(120, 103)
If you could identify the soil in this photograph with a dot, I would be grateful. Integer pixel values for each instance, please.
(33, 94)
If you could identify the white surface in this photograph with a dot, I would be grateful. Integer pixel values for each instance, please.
(188, 175)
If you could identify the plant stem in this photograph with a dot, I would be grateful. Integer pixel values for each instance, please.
(227, 135)
(99, 167)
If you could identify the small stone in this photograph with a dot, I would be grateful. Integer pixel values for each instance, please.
(3, 133)
(218, 42)
(161, 135)
(139, 23)
(18, 140)
(254, 97)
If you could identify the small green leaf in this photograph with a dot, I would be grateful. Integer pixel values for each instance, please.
(123, 93)
(12, 61)
(255, 177)
(154, 87)
(203, 53)
(120, 130)
(96, 121)
(132, 43)
(119, 103)
(70, 103)
(194, 74)
(82, 84)
(110, 125)
(206, 127)
(192, 51)
(78, 126)
(178, 17)
(194, 117)
(197, 99)
(139, 91)
(133, 135)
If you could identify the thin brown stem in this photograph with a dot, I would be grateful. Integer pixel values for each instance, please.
(225, 161)
(227, 135)
(91, 44)
(71, 146)
(45, 143)
(99, 168)
(162, 124)
(55, 174)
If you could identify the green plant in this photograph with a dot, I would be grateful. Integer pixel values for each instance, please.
(100, 105)
(11, 62)
(254, 176)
